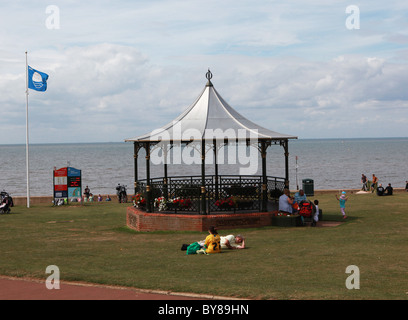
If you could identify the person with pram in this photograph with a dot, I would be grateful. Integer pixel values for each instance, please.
(303, 207)
(6, 203)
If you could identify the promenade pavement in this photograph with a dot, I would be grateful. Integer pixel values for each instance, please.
(31, 289)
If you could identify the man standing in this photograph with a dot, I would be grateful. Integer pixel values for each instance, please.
(87, 192)
(374, 183)
(364, 182)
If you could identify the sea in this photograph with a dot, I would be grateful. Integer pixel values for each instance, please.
(326, 163)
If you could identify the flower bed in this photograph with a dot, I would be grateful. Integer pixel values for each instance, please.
(281, 219)
(139, 201)
(226, 204)
(172, 204)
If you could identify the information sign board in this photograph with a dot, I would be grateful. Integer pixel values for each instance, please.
(67, 183)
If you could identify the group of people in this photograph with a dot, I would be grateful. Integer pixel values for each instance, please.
(214, 243)
(100, 198)
(292, 205)
(373, 186)
(369, 185)
(88, 196)
(384, 192)
(289, 204)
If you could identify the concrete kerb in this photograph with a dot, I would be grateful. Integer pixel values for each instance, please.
(162, 293)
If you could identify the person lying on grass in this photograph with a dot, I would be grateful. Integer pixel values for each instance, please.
(233, 242)
(230, 242)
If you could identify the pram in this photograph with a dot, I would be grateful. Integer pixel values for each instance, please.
(6, 202)
(307, 211)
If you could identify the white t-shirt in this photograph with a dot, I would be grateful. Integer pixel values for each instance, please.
(316, 216)
(231, 239)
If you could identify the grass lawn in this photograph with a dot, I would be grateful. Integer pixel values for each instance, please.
(91, 243)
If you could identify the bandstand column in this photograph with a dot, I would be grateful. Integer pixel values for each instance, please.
(216, 169)
(286, 147)
(136, 149)
(203, 191)
(165, 181)
(264, 179)
(148, 191)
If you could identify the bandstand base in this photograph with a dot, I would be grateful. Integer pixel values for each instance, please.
(140, 220)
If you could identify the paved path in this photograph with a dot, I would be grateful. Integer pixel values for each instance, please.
(29, 289)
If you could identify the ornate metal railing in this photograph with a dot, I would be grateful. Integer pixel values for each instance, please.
(222, 193)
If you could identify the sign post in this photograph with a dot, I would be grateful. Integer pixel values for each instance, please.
(67, 184)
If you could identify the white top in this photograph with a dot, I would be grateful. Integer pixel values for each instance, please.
(316, 215)
(231, 239)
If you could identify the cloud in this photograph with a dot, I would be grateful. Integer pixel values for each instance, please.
(120, 69)
(111, 92)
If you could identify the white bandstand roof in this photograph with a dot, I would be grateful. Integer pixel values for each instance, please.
(210, 117)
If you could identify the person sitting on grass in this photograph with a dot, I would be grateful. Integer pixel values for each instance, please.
(286, 202)
(212, 243)
(233, 242)
(298, 199)
(380, 190)
(300, 196)
(388, 190)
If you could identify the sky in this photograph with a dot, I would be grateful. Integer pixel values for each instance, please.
(119, 69)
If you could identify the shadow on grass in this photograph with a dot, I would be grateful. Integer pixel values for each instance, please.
(13, 211)
(339, 218)
(126, 229)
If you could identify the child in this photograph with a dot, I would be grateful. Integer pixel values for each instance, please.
(316, 215)
(342, 202)
(212, 242)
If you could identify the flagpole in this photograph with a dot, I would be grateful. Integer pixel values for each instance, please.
(297, 183)
(27, 162)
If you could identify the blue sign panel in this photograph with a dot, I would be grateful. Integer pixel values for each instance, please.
(72, 172)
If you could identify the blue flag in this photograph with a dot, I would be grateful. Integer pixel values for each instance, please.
(37, 80)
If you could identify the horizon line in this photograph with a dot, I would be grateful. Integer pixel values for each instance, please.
(106, 142)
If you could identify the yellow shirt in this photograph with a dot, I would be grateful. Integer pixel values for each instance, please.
(212, 243)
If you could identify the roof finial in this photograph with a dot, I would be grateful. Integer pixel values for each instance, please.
(209, 76)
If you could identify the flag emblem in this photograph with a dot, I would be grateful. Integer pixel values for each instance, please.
(37, 80)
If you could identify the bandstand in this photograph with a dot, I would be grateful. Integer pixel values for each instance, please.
(207, 126)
